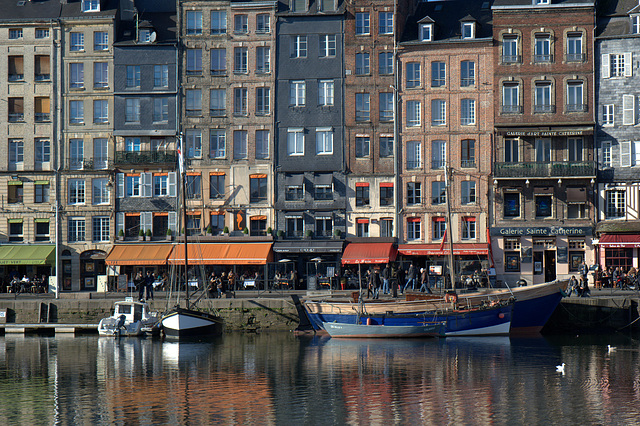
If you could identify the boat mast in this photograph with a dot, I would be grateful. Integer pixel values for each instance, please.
(183, 176)
(448, 231)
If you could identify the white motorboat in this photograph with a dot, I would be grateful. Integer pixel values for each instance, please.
(130, 318)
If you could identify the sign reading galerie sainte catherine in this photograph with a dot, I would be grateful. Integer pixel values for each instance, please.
(569, 231)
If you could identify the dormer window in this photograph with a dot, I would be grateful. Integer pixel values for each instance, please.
(327, 5)
(635, 24)
(539, 2)
(468, 30)
(298, 5)
(426, 32)
(91, 5)
(144, 36)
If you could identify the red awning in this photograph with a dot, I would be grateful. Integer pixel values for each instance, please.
(459, 249)
(369, 253)
(620, 240)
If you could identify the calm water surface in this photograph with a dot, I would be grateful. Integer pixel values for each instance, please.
(277, 378)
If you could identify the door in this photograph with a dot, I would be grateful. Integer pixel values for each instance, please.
(549, 265)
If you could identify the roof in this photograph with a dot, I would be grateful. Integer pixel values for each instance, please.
(164, 24)
(284, 9)
(31, 10)
(447, 16)
(529, 3)
(72, 9)
(613, 18)
(618, 226)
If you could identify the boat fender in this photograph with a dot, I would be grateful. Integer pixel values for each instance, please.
(451, 297)
(501, 315)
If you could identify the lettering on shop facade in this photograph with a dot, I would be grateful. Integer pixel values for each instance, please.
(541, 231)
(547, 133)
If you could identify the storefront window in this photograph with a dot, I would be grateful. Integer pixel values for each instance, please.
(512, 204)
(511, 262)
(621, 257)
(543, 206)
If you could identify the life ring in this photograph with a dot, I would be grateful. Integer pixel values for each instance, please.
(451, 297)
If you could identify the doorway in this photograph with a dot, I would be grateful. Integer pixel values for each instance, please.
(549, 265)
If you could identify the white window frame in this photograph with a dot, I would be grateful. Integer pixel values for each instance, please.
(438, 112)
(468, 30)
(297, 93)
(414, 113)
(363, 23)
(298, 46)
(328, 46)
(606, 154)
(326, 91)
(426, 32)
(295, 141)
(468, 112)
(324, 141)
(608, 115)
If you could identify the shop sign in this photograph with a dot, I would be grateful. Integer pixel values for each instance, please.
(546, 133)
(569, 231)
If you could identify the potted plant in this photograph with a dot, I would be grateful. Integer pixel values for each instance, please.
(269, 231)
(141, 235)
(148, 234)
(245, 231)
(168, 234)
(121, 235)
(309, 233)
(280, 233)
(210, 230)
(337, 233)
(225, 230)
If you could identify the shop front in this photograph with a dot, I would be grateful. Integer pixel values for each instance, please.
(124, 261)
(358, 257)
(315, 264)
(34, 261)
(92, 269)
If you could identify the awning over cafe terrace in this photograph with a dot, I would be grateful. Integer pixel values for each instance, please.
(139, 254)
(356, 253)
(17, 254)
(619, 241)
(223, 254)
(459, 249)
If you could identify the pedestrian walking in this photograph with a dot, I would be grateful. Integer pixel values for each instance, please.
(148, 283)
(424, 281)
(411, 278)
(386, 275)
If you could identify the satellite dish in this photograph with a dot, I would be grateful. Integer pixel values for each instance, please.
(152, 37)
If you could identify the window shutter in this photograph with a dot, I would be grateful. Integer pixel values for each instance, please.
(628, 68)
(173, 222)
(172, 183)
(625, 154)
(119, 223)
(628, 110)
(146, 221)
(606, 67)
(147, 184)
(120, 185)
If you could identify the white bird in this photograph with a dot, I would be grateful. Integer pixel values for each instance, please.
(560, 368)
(611, 348)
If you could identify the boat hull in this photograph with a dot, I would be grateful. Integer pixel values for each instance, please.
(383, 331)
(181, 322)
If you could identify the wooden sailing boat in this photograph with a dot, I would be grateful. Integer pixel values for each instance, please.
(188, 321)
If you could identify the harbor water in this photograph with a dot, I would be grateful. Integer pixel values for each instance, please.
(277, 378)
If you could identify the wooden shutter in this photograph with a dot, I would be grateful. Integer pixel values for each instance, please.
(625, 154)
(119, 223)
(146, 221)
(628, 68)
(173, 222)
(172, 183)
(120, 185)
(147, 184)
(628, 110)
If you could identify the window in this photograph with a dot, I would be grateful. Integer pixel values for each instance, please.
(161, 76)
(42, 230)
(100, 154)
(240, 24)
(101, 231)
(42, 33)
(542, 49)
(193, 186)
(132, 185)
(362, 194)
(362, 63)
(439, 227)
(77, 42)
(193, 224)
(100, 75)
(295, 226)
(193, 102)
(635, 24)
(468, 112)
(133, 76)
(42, 151)
(263, 60)
(615, 203)
(468, 153)
(217, 102)
(438, 193)
(218, 61)
(438, 74)
(608, 115)
(628, 110)
(42, 109)
(413, 228)
(160, 110)
(263, 23)
(363, 146)
(298, 5)
(194, 22)
(619, 65)
(385, 22)
(511, 204)
(76, 112)
(512, 261)
(511, 151)
(297, 93)
(438, 112)
(76, 154)
(217, 143)
(216, 185)
(385, 63)
(386, 194)
(76, 77)
(132, 145)
(131, 225)
(386, 146)
(16, 152)
(263, 103)
(324, 226)
(90, 5)
(194, 143)
(101, 111)
(576, 148)
(467, 73)
(574, 48)
(262, 144)
(42, 68)
(76, 230)
(76, 191)
(144, 35)
(468, 30)
(15, 192)
(132, 111)
(606, 154)
(426, 32)
(241, 60)
(511, 99)
(468, 228)
(414, 193)
(386, 106)
(324, 141)
(16, 110)
(468, 190)
(325, 92)
(194, 61)
(543, 98)
(218, 22)
(543, 206)
(294, 193)
(363, 107)
(160, 185)
(413, 74)
(323, 193)
(295, 142)
(258, 226)
(100, 191)
(575, 102)
(510, 53)
(414, 155)
(217, 222)
(16, 68)
(15, 34)
(362, 227)
(258, 186)
(327, 45)
(240, 101)
(413, 113)
(543, 150)
(362, 23)
(240, 142)
(298, 47)
(327, 5)
(438, 154)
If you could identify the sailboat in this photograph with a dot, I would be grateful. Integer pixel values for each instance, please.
(180, 322)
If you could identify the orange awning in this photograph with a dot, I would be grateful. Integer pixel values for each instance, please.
(459, 249)
(138, 254)
(223, 254)
(369, 253)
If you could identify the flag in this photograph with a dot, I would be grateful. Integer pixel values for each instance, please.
(180, 156)
(444, 239)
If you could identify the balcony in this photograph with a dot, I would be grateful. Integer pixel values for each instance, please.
(544, 109)
(543, 59)
(42, 117)
(576, 108)
(413, 164)
(512, 109)
(468, 164)
(96, 163)
(555, 169)
(145, 157)
(511, 59)
(574, 57)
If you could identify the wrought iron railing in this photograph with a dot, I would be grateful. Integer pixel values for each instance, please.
(554, 169)
(146, 157)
